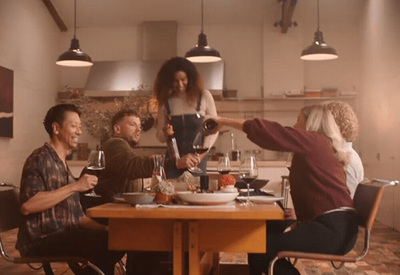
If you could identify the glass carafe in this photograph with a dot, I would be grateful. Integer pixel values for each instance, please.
(158, 171)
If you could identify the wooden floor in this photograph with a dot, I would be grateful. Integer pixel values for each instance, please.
(383, 259)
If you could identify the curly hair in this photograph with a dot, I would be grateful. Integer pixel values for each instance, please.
(165, 80)
(345, 118)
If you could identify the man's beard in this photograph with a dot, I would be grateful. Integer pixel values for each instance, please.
(132, 143)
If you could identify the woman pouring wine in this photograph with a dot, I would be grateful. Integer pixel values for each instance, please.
(183, 103)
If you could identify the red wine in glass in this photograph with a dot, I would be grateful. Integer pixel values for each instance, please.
(200, 150)
(248, 172)
(200, 146)
(248, 179)
(224, 172)
(93, 170)
(96, 163)
(224, 165)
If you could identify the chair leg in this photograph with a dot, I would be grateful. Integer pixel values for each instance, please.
(123, 267)
(271, 266)
(47, 269)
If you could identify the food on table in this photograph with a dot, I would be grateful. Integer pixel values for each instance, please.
(227, 180)
(188, 178)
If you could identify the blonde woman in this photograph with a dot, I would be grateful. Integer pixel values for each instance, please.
(326, 220)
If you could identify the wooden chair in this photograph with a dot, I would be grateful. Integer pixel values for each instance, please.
(10, 218)
(367, 199)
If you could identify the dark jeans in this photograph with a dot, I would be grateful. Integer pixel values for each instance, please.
(149, 263)
(88, 202)
(333, 233)
(88, 244)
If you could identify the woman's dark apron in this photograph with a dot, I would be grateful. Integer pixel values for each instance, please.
(186, 128)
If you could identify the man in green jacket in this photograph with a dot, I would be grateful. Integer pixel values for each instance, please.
(122, 164)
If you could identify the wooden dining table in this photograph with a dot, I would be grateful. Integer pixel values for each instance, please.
(210, 229)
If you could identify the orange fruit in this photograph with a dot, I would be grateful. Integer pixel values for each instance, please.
(226, 180)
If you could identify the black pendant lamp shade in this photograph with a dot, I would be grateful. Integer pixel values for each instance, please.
(318, 50)
(203, 53)
(74, 57)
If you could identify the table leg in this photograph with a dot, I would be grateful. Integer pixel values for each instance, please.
(194, 262)
(178, 249)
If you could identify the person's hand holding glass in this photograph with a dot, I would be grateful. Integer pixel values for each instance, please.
(248, 172)
(96, 163)
(201, 144)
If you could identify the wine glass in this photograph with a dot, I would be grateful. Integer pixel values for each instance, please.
(201, 145)
(96, 163)
(248, 172)
(158, 171)
(224, 165)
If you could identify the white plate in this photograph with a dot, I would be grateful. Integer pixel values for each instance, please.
(267, 191)
(207, 198)
(261, 199)
(244, 190)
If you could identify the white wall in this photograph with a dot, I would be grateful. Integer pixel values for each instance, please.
(29, 42)
(379, 103)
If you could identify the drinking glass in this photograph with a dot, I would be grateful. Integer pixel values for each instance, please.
(224, 165)
(158, 171)
(201, 144)
(96, 163)
(248, 172)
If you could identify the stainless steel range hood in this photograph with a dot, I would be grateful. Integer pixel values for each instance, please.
(119, 78)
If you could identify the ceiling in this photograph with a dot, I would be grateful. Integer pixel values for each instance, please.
(122, 13)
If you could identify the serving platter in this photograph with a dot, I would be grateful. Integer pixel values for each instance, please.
(216, 198)
(261, 199)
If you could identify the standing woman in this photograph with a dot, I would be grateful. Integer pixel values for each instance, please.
(183, 103)
(327, 221)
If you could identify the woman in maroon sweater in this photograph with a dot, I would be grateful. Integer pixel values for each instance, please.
(327, 222)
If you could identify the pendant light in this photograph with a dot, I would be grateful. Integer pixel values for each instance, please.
(74, 57)
(203, 53)
(318, 50)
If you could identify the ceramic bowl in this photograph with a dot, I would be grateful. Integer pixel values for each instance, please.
(139, 198)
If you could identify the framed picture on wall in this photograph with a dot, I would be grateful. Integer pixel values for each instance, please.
(6, 102)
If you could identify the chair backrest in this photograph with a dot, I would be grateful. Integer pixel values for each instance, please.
(10, 215)
(367, 199)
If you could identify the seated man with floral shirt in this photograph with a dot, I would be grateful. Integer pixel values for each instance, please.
(54, 222)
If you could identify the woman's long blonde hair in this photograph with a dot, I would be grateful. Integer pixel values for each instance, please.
(320, 119)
